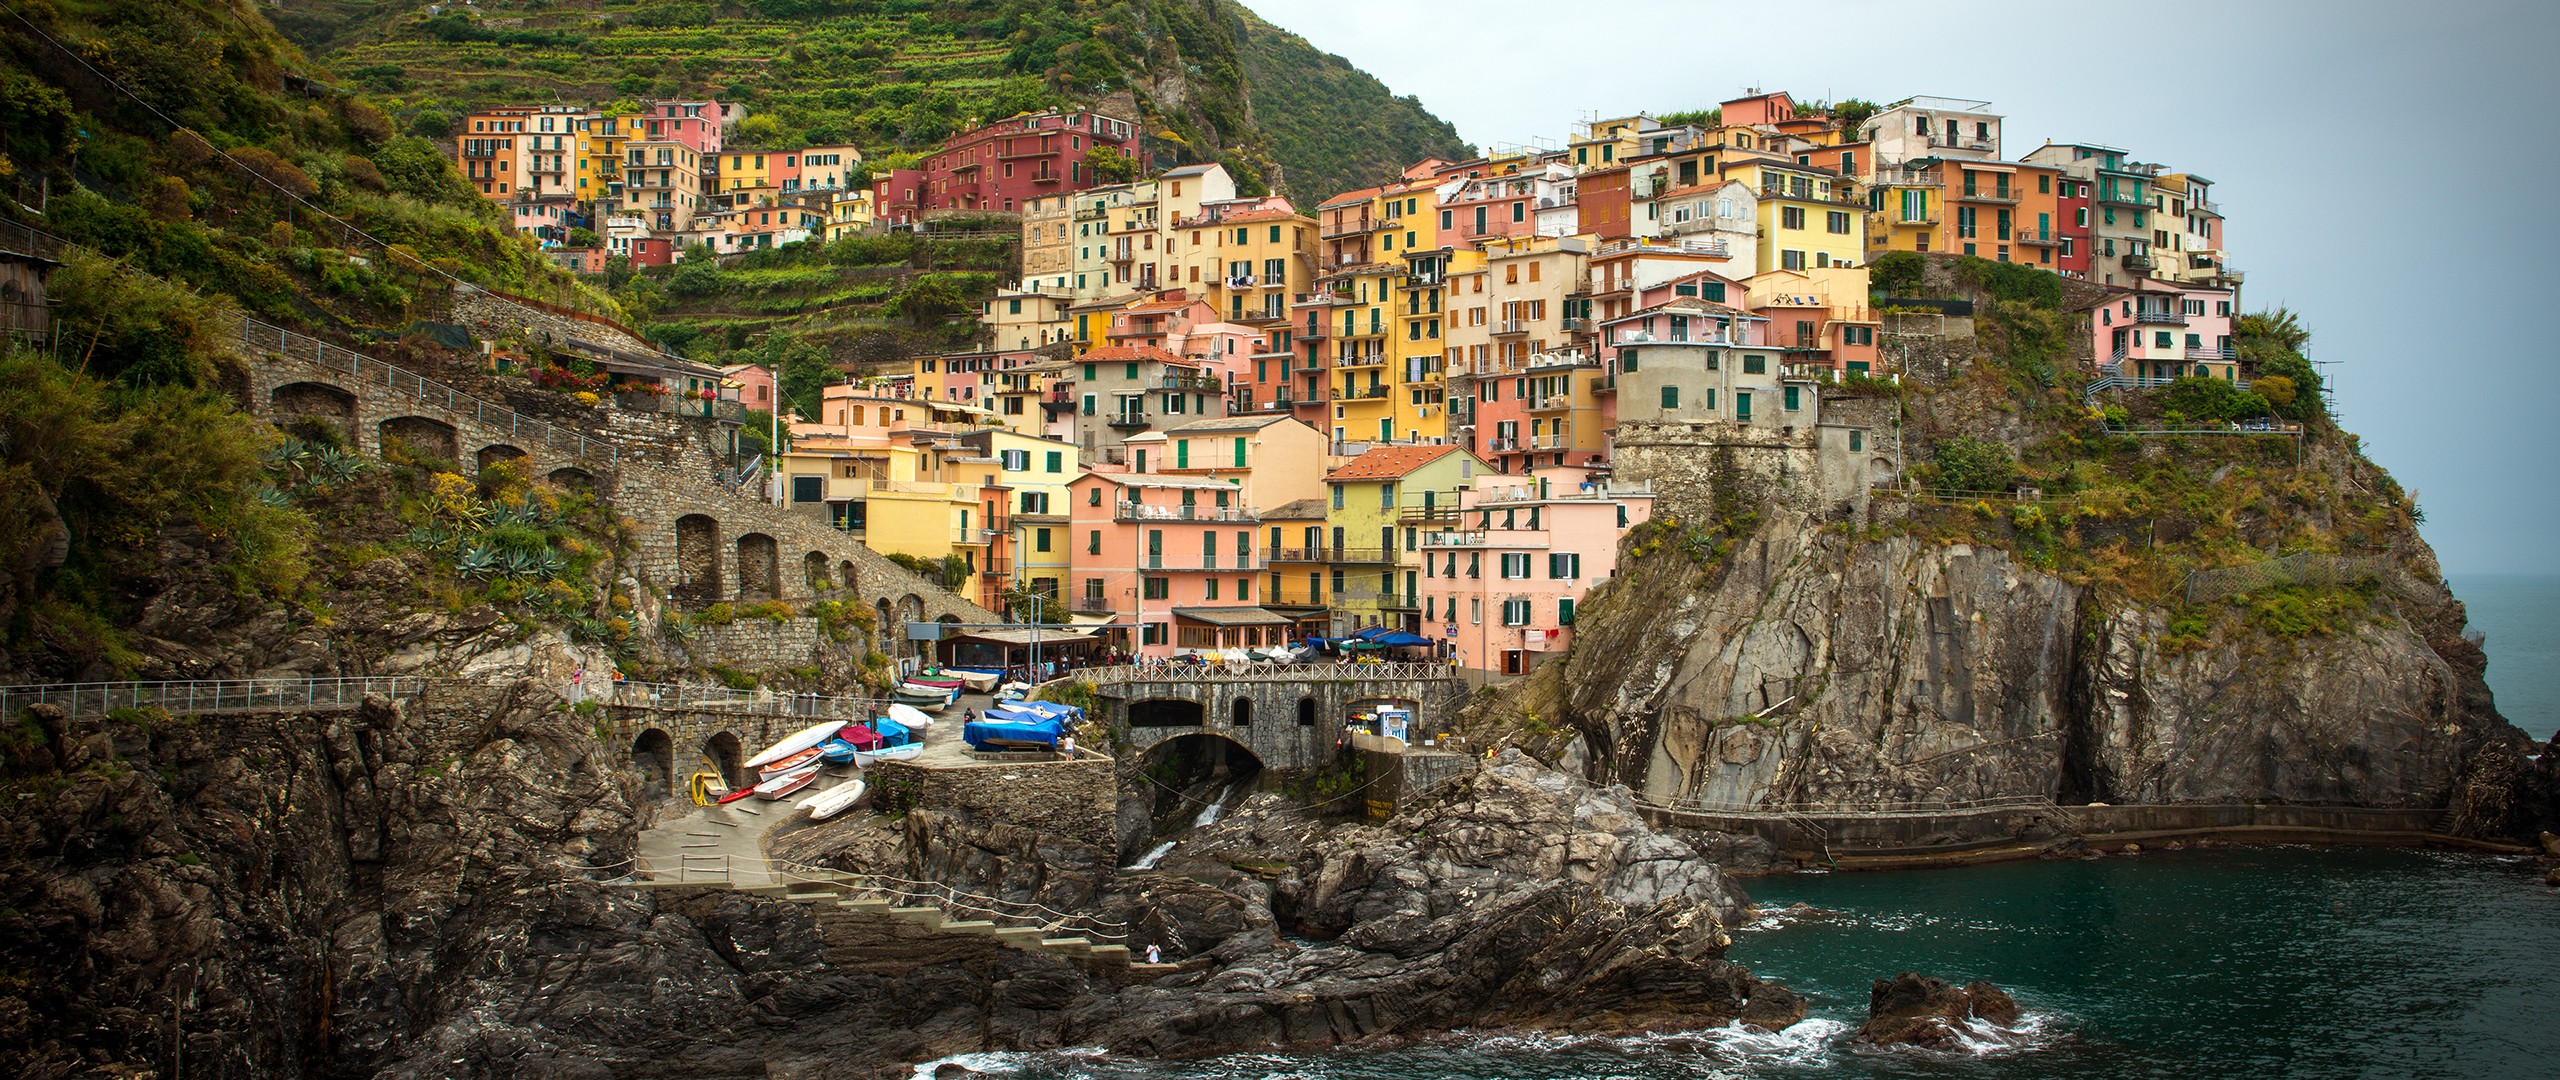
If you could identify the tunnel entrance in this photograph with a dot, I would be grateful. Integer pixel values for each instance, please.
(1167, 712)
(725, 757)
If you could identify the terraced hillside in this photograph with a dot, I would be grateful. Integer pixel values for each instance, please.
(1208, 80)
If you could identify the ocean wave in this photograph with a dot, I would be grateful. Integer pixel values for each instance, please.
(1011, 1062)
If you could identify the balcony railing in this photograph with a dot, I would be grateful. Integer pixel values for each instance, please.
(1360, 360)
(1133, 511)
(1478, 538)
(1836, 197)
(1552, 403)
(1577, 326)
(1191, 382)
(1365, 392)
(2211, 353)
(2170, 317)
(1994, 195)
(1246, 561)
(1329, 554)
(1129, 420)
(1508, 327)
(2119, 197)
(2039, 239)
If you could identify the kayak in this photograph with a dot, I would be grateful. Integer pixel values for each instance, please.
(805, 759)
(795, 742)
(786, 784)
(835, 800)
(936, 681)
(835, 751)
(733, 796)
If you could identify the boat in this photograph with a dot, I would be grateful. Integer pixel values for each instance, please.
(734, 796)
(923, 697)
(1012, 734)
(946, 682)
(836, 751)
(910, 716)
(785, 785)
(977, 680)
(795, 742)
(805, 759)
(835, 800)
(890, 741)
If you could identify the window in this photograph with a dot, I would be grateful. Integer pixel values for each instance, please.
(1791, 399)
(1337, 496)
(1040, 539)
(1515, 613)
(1671, 397)
(1158, 588)
(1093, 541)
(1791, 260)
(1564, 565)
(1093, 496)
(1857, 440)
(1838, 222)
(1755, 365)
(1056, 461)
(1515, 564)
(1791, 217)
(1564, 611)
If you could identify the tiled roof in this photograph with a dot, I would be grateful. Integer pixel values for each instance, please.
(1362, 195)
(1120, 353)
(1301, 510)
(1390, 462)
(1247, 422)
(1251, 216)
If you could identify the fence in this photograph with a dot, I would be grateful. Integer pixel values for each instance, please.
(1147, 670)
(257, 335)
(208, 696)
(1881, 808)
(2306, 568)
(746, 702)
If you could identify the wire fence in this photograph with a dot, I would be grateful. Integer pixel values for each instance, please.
(189, 698)
(1177, 670)
(1877, 808)
(2305, 568)
(724, 699)
(259, 336)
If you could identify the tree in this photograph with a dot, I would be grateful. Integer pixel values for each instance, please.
(1851, 115)
(931, 300)
(1110, 166)
(1968, 465)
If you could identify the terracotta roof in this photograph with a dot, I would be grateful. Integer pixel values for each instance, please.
(1152, 307)
(1362, 195)
(1301, 510)
(1389, 462)
(1119, 353)
(1251, 216)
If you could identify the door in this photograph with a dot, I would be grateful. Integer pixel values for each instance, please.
(1742, 405)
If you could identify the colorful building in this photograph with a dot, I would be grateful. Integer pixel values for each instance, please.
(1502, 576)
(1005, 164)
(1173, 557)
(1380, 503)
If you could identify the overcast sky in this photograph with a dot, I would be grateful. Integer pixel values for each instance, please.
(2386, 168)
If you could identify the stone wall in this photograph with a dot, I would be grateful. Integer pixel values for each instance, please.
(510, 319)
(756, 643)
(1074, 799)
(1811, 469)
(1265, 715)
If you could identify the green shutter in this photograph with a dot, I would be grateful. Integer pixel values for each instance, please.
(1239, 451)
(1182, 453)
(1564, 612)
(1671, 397)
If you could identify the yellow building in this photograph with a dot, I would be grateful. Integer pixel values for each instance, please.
(1809, 217)
(1022, 490)
(848, 214)
(600, 145)
(1377, 506)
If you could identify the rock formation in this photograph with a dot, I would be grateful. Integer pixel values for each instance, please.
(1918, 1010)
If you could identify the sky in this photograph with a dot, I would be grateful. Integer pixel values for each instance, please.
(2385, 168)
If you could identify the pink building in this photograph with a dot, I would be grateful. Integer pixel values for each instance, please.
(1501, 581)
(1172, 560)
(755, 385)
(693, 123)
(2158, 330)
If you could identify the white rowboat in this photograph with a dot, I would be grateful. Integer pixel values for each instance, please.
(835, 800)
(795, 742)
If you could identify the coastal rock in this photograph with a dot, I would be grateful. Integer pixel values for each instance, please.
(1917, 1010)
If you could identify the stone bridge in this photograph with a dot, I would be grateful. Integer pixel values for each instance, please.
(700, 541)
(1289, 716)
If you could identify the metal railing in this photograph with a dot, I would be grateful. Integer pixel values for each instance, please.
(723, 699)
(1879, 808)
(1330, 671)
(1135, 511)
(198, 697)
(283, 342)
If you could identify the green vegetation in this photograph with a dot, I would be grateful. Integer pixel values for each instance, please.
(1333, 127)
(1967, 465)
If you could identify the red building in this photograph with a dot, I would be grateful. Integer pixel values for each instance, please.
(1005, 164)
(2071, 226)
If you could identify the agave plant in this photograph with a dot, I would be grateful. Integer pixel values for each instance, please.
(551, 563)
(335, 466)
(476, 561)
(269, 495)
(516, 562)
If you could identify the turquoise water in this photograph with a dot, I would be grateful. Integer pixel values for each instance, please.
(2521, 615)
(2261, 962)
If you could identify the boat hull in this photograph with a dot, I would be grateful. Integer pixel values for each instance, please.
(786, 785)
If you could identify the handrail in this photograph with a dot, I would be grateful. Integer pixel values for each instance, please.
(750, 702)
(1156, 670)
(1875, 809)
(196, 697)
(276, 339)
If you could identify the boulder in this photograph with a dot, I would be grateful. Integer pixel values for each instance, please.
(1919, 1010)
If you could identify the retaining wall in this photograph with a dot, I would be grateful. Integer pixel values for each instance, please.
(1075, 799)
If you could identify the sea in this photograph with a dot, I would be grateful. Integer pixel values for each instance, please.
(2521, 616)
(2228, 962)
(2224, 962)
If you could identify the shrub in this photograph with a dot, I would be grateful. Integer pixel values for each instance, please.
(1969, 464)
(720, 614)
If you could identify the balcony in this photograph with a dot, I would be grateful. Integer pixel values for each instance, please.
(1557, 441)
(1508, 327)
(1425, 515)
(1132, 511)
(2037, 239)
(1364, 393)
(1191, 382)
(2114, 197)
(1837, 197)
(2210, 353)
(1478, 538)
(1362, 360)
(1552, 403)
(1577, 326)
(1209, 563)
(2137, 261)
(1058, 403)
(1341, 555)
(1501, 446)
(1129, 420)
(1091, 605)
(1604, 384)
(1347, 226)
(2146, 315)
(1995, 195)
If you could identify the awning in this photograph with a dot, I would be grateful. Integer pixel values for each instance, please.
(1092, 620)
(1233, 616)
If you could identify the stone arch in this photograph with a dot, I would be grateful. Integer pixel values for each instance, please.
(697, 559)
(910, 609)
(848, 579)
(497, 452)
(1167, 712)
(1240, 711)
(759, 568)
(1306, 712)
(885, 620)
(317, 402)
(1879, 471)
(423, 435)
(572, 477)
(653, 756)
(725, 756)
(813, 566)
(1211, 752)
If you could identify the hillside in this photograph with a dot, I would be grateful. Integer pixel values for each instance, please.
(1208, 80)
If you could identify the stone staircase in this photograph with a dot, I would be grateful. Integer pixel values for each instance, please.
(854, 927)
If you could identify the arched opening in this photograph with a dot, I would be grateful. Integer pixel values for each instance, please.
(723, 755)
(497, 452)
(1192, 778)
(1240, 712)
(697, 559)
(1306, 712)
(423, 437)
(814, 567)
(759, 568)
(1166, 712)
(296, 404)
(848, 579)
(653, 756)
(579, 479)
(885, 630)
(910, 609)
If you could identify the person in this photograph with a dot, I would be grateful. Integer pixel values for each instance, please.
(1155, 955)
(1067, 744)
(968, 716)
